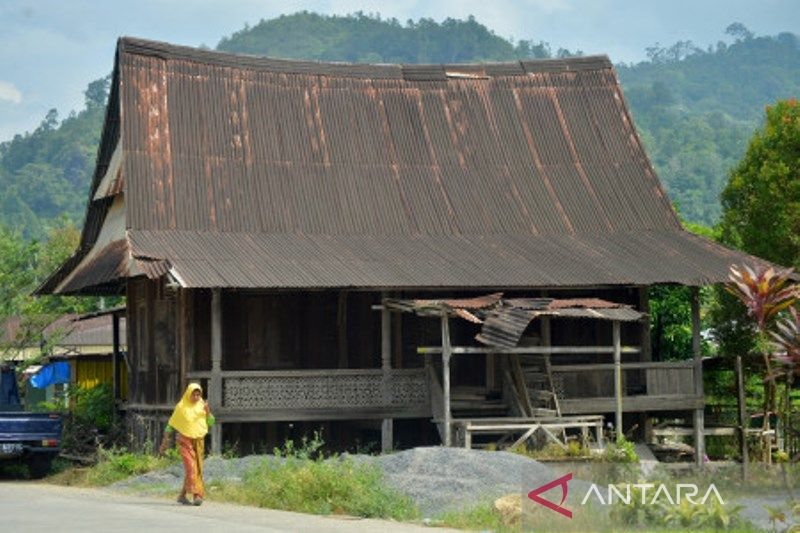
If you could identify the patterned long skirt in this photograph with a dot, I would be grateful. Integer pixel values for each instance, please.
(192, 451)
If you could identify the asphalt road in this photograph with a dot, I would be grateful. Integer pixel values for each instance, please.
(29, 506)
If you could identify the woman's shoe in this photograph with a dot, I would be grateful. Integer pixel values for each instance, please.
(182, 499)
(197, 501)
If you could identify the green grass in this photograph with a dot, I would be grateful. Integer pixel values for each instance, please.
(479, 518)
(113, 465)
(318, 486)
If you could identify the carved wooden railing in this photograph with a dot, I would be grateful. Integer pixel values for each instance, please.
(309, 394)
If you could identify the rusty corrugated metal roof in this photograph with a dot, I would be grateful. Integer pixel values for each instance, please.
(504, 320)
(222, 259)
(241, 171)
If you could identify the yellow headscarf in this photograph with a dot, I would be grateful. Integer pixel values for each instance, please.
(189, 418)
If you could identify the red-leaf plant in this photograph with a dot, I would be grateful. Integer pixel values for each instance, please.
(765, 292)
(787, 338)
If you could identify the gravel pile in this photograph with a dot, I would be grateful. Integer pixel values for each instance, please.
(436, 478)
(214, 469)
(442, 479)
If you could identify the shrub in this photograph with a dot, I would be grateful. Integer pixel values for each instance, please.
(94, 406)
(622, 451)
(301, 479)
(118, 464)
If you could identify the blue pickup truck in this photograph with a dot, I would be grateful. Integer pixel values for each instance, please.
(33, 438)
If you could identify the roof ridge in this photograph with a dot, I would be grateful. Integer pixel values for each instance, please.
(407, 71)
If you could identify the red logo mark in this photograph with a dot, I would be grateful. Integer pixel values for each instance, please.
(562, 481)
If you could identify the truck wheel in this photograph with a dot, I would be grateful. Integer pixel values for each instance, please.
(38, 467)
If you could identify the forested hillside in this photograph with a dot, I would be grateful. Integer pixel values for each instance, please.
(361, 38)
(695, 108)
(45, 174)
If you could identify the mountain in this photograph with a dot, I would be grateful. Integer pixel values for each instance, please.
(695, 108)
(366, 39)
(45, 174)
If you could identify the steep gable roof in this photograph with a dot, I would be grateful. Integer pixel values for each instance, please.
(239, 171)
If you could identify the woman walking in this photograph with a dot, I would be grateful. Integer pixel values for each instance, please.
(190, 422)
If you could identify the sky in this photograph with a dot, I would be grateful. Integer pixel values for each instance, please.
(51, 49)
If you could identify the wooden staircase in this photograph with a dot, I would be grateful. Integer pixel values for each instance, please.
(532, 379)
(475, 402)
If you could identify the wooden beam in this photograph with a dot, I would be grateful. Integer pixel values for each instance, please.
(341, 328)
(182, 323)
(387, 429)
(312, 373)
(699, 414)
(617, 380)
(688, 432)
(115, 361)
(546, 331)
(594, 367)
(532, 350)
(646, 343)
(446, 351)
(215, 385)
(296, 415)
(631, 404)
(740, 397)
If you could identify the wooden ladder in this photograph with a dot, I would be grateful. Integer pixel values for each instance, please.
(532, 379)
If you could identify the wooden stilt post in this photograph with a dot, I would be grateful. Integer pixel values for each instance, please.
(742, 416)
(116, 381)
(646, 356)
(617, 380)
(215, 386)
(699, 414)
(446, 352)
(387, 427)
(341, 328)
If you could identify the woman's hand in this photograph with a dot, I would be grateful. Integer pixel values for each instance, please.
(205, 406)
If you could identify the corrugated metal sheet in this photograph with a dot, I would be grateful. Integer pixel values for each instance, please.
(505, 320)
(96, 331)
(241, 171)
(218, 142)
(217, 259)
(504, 326)
(107, 266)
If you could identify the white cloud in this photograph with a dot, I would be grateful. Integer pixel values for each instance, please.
(10, 93)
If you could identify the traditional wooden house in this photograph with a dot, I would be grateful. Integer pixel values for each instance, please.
(258, 212)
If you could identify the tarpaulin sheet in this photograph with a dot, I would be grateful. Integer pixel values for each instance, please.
(51, 374)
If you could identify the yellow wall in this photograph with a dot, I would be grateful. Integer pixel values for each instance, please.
(90, 373)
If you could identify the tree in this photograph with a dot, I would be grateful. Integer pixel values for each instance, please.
(96, 92)
(739, 31)
(761, 203)
(24, 264)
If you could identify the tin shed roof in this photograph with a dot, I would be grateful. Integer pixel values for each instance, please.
(240, 171)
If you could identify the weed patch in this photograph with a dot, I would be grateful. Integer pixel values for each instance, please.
(333, 486)
(113, 465)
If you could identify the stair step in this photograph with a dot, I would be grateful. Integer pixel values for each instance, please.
(539, 411)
